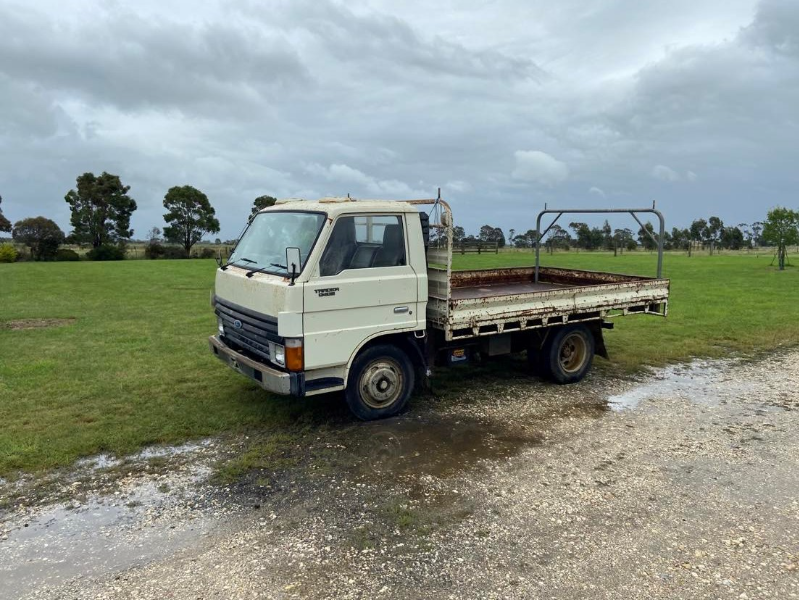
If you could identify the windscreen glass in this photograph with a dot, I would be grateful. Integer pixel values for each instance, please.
(263, 245)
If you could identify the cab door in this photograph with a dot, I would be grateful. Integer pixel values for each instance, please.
(362, 286)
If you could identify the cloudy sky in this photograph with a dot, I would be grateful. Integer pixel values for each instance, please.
(504, 104)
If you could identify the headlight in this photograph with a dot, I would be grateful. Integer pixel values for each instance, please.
(279, 355)
(220, 326)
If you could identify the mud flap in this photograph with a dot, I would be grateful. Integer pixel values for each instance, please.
(595, 327)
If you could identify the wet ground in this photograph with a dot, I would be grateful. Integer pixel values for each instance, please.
(684, 484)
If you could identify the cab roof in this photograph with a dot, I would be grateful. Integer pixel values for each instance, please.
(336, 206)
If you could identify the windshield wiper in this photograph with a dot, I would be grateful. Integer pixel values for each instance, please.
(262, 269)
(277, 265)
(242, 259)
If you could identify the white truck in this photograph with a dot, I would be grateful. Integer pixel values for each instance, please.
(360, 296)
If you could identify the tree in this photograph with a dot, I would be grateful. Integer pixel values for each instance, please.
(747, 233)
(680, 238)
(757, 228)
(154, 235)
(607, 237)
(715, 229)
(597, 238)
(781, 229)
(101, 210)
(262, 202)
(189, 214)
(732, 238)
(458, 233)
(699, 230)
(583, 233)
(5, 224)
(558, 238)
(492, 234)
(41, 235)
(645, 235)
(623, 238)
(154, 248)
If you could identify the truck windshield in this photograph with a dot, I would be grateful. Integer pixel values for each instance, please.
(263, 245)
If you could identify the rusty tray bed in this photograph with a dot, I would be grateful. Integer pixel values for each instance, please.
(492, 301)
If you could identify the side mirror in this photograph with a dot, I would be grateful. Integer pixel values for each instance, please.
(293, 262)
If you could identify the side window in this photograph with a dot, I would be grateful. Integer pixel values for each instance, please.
(362, 242)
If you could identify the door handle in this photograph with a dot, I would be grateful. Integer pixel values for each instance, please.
(400, 309)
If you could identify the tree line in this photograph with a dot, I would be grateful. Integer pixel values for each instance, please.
(101, 208)
(780, 229)
(100, 211)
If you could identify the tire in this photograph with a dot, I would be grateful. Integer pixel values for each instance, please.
(568, 354)
(380, 383)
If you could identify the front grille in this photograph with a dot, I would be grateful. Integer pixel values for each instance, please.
(255, 331)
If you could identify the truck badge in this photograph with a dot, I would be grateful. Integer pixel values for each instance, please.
(326, 292)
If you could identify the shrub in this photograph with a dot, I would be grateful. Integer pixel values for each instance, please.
(8, 253)
(65, 254)
(154, 250)
(106, 252)
(207, 253)
(175, 252)
(39, 234)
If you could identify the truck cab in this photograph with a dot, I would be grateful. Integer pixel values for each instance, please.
(358, 287)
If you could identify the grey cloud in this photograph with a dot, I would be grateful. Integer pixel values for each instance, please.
(370, 39)
(301, 98)
(775, 28)
(539, 167)
(597, 192)
(665, 173)
(123, 60)
(363, 185)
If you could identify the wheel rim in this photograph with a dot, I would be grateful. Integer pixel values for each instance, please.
(381, 383)
(573, 352)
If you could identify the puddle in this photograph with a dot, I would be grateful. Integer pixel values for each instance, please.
(19, 324)
(437, 447)
(108, 461)
(148, 518)
(700, 381)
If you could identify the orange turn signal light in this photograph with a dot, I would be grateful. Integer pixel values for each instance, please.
(294, 354)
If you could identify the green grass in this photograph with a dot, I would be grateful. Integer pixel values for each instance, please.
(134, 367)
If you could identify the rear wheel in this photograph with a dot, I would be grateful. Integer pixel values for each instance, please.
(568, 354)
(380, 383)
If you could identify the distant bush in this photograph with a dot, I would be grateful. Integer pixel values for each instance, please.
(175, 252)
(106, 252)
(65, 254)
(154, 250)
(8, 253)
(207, 253)
(41, 235)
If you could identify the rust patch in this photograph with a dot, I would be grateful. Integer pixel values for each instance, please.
(20, 324)
(547, 275)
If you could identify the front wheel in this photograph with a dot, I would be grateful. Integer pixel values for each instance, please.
(380, 383)
(568, 353)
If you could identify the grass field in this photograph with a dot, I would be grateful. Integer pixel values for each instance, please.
(133, 368)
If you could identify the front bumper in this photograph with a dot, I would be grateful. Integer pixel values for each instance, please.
(272, 380)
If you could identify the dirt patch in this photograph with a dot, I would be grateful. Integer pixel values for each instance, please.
(20, 324)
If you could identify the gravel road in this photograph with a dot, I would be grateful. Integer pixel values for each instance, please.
(684, 484)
